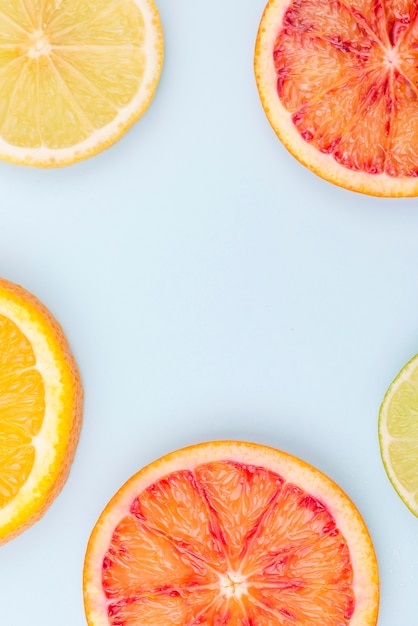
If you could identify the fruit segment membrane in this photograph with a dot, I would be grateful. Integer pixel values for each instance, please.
(229, 544)
(347, 72)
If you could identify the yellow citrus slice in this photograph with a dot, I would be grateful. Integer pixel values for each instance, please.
(398, 434)
(40, 409)
(230, 533)
(339, 84)
(74, 75)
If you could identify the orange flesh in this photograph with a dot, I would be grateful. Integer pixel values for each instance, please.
(22, 407)
(347, 71)
(227, 544)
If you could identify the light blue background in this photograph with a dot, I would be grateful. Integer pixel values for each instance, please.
(211, 287)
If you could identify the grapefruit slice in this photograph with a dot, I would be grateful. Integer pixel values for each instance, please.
(40, 409)
(338, 82)
(234, 534)
(74, 75)
(398, 434)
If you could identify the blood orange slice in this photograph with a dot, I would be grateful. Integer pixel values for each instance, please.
(338, 82)
(232, 534)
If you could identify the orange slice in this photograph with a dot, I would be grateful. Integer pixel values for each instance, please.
(230, 533)
(40, 409)
(74, 75)
(338, 82)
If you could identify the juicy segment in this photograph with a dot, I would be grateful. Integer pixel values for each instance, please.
(59, 82)
(347, 72)
(22, 408)
(227, 543)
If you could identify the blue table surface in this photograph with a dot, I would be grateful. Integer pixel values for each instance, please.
(212, 287)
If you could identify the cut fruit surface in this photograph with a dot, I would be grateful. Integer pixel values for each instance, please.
(75, 75)
(338, 82)
(230, 533)
(40, 409)
(398, 434)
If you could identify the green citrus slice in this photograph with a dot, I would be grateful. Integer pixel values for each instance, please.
(398, 434)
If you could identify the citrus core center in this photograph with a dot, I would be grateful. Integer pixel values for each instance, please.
(39, 44)
(233, 584)
(391, 56)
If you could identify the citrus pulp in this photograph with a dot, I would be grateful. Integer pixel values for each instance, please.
(230, 533)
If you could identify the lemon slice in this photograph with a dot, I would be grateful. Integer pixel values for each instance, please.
(40, 409)
(74, 75)
(398, 434)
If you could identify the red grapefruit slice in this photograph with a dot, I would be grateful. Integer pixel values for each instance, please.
(339, 84)
(232, 534)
